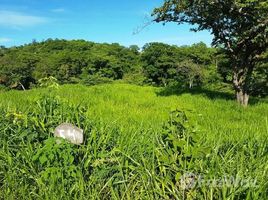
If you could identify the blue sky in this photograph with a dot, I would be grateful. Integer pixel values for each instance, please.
(110, 21)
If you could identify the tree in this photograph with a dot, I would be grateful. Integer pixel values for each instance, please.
(189, 73)
(240, 27)
(158, 61)
(199, 53)
(2, 50)
(135, 49)
(16, 70)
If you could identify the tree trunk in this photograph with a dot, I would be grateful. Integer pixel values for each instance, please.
(22, 86)
(241, 79)
(242, 98)
(190, 84)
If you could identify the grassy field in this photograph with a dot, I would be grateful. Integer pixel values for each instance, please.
(139, 144)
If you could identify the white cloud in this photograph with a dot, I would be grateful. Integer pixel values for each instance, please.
(58, 10)
(17, 19)
(5, 40)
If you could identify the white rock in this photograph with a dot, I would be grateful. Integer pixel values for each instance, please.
(70, 132)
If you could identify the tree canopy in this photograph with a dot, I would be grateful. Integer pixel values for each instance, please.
(240, 27)
(158, 64)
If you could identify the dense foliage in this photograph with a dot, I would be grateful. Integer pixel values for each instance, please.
(89, 63)
(67, 61)
(240, 27)
(163, 64)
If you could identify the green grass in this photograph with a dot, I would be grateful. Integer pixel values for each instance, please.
(125, 154)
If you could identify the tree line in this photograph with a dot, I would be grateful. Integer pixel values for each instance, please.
(158, 64)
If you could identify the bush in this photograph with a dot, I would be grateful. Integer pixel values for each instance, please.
(137, 78)
(95, 80)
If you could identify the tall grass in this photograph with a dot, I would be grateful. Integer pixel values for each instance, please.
(134, 147)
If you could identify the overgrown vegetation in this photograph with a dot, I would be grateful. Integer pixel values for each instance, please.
(133, 149)
(91, 63)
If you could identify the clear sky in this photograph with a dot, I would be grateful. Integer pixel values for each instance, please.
(110, 21)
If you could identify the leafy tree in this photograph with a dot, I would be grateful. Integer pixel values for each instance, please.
(162, 63)
(2, 51)
(238, 26)
(158, 61)
(135, 49)
(16, 70)
(45, 67)
(189, 73)
(258, 83)
(69, 65)
(199, 53)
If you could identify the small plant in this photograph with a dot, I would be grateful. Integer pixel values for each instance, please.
(179, 152)
(56, 161)
(49, 82)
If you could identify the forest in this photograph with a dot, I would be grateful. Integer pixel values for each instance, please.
(90, 63)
